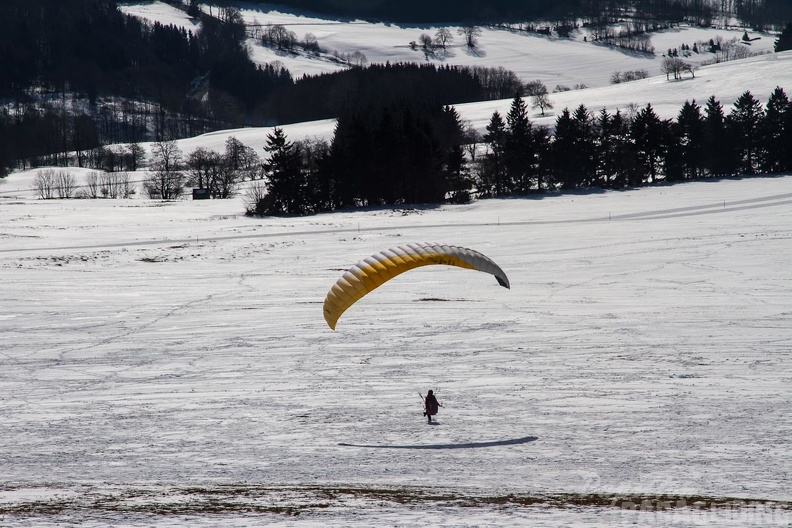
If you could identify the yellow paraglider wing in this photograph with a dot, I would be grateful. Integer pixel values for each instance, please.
(379, 268)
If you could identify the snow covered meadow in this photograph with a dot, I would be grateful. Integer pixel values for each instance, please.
(167, 363)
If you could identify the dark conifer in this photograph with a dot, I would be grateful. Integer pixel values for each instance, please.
(784, 40)
(743, 125)
(719, 158)
(585, 145)
(520, 152)
(648, 133)
(777, 133)
(563, 163)
(286, 185)
(689, 129)
(493, 174)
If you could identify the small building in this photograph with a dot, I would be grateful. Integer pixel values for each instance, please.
(201, 194)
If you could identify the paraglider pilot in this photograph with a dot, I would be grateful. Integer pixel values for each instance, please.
(430, 405)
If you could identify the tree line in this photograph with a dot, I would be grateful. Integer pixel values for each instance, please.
(756, 13)
(405, 154)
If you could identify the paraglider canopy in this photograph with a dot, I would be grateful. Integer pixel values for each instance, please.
(372, 272)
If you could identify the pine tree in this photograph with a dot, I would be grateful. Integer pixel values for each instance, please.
(743, 124)
(616, 153)
(286, 184)
(719, 157)
(573, 152)
(673, 164)
(784, 40)
(456, 172)
(493, 175)
(388, 185)
(777, 133)
(519, 154)
(563, 165)
(648, 134)
(585, 148)
(690, 131)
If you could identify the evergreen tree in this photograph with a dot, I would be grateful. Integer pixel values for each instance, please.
(389, 184)
(286, 183)
(648, 133)
(352, 155)
(541, 144)
(492, 177)
(585, 145)
(784, 40)
(322, 187)
(520, 152)
(689, 130)
(673, 163)
(616, 154)
(719, 158)
(743, 124)
(776, 142)
(563, 163)
(424, 178)
(456, 171)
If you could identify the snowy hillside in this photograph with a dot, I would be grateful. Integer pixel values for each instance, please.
(726, 81)
(552, 60)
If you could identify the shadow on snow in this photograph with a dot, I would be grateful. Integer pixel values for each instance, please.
(468, 445)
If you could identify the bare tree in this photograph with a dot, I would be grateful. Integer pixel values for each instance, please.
(66, 184)
(471, 139)
(357, 59)
(44, 183)
(310, 43)
(541, 101)
(200, 165)
(224, 180)
(91, 189)
(115, 185)
(443, 37)
(166, 182)
(166, 155)
(675, 66)
(254, 197)
(536, 87)
(137, 155)
(471, 34)
(426, 42)
(278, 36)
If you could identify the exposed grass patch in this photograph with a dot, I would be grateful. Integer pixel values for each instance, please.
(292, 501)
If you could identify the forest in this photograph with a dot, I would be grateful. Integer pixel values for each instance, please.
(756, 13)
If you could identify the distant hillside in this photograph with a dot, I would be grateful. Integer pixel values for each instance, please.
(756, 13)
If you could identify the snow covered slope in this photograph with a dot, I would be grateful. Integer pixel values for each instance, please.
(554, 61)
(726, 81)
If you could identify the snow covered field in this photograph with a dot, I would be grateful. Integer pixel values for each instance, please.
(167, 364)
